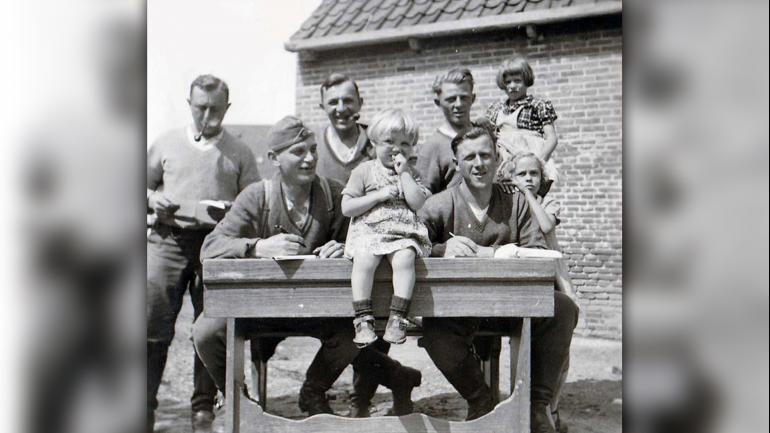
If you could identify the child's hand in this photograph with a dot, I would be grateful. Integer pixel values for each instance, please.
(400, 163)
(387, 193)
(520, 185)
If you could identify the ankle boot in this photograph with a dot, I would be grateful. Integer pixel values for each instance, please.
(468, 380)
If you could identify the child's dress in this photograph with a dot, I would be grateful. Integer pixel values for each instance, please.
(515, 135)
(389, 226)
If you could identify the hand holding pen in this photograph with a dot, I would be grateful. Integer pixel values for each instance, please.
(282, 244)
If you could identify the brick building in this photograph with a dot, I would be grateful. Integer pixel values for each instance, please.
(394, 49)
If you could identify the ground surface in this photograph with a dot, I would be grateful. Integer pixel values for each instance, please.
(591, 400)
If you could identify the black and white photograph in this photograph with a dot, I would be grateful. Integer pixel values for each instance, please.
(387, 216)
(390, 216)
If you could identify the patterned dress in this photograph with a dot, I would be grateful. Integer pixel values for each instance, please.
(519, 128)
(389, 226)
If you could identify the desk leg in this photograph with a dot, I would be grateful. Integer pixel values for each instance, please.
(520, 370)
(234, 378)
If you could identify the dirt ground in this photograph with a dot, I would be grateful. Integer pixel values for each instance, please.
(591, 400)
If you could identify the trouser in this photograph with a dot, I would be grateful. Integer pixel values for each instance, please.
(337, 350)
(449, 343)
(173, 267)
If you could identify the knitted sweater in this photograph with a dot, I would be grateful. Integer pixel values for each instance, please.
(188, 174)
(435, 163)
(508, 220)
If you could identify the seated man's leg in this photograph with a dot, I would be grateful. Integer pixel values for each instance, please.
(375, 368)
(210, 339)
(337, 352)
(449, 344)
(551, 339)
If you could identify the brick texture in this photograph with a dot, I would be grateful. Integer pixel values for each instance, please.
(578, 66)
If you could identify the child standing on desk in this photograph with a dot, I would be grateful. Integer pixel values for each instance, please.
(382, 197)
(523, 122)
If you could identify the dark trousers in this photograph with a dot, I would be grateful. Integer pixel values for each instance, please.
(449, 343)
(337, 350)
(173, 268)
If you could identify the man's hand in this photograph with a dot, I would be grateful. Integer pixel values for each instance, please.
(460, 246)
(162, 206)
(387, 193)
(330, 250)
(284, 244)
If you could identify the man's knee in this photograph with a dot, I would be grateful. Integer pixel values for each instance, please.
(209, 334)
(447, 341)
(565, 309)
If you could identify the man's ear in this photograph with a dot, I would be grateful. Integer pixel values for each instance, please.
(473, 98)
(273, 157)
(321, 105)
(437, 102)
(188, 102)
(454, 161)
(360, 101)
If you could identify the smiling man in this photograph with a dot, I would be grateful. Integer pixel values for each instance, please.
(297, 212)
(454, 96)
(472, 219)
(342, 144)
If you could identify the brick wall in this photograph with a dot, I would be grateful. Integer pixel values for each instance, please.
(578, 66)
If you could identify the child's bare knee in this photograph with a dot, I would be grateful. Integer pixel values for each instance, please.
(403, 259)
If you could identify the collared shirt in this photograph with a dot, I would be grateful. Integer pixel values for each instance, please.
(535, 112)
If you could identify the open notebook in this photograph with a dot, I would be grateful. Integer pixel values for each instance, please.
(512, 251)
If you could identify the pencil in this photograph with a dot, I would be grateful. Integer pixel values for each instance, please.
(283, 230)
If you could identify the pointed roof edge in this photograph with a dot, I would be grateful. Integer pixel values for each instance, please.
(446, 28)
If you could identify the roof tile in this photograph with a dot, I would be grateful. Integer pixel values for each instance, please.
(339, 17)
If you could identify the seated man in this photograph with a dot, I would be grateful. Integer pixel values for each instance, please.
(294, 213)
(470, 219)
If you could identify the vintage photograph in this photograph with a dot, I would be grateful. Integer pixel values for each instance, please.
(384, 216)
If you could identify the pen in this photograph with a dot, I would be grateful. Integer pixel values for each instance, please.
(283, 230)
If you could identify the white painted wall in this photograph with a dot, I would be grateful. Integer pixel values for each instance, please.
(241, 41)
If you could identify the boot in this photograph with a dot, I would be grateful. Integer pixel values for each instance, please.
(202, 421)
(468, 380)
(320, 377)
(539, 420)
(402, 381)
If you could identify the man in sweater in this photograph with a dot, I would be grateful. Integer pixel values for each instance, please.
(472, 219)
(454, 96)
(185, 167)
(342, 146)
(343, 143)
(297, 212)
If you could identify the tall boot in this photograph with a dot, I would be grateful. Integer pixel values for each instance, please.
(366, 379)
(326, 367)
(375, 365)
(468, 380)
(156, 361)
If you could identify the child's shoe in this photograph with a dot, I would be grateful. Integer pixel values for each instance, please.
(365, 335)
(395, 331)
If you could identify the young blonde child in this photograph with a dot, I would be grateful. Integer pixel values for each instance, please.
(527, 175)
(524, 123)
(382, 197)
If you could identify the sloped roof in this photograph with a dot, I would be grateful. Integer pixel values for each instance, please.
(337, 23)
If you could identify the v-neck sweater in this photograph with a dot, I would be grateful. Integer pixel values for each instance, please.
(508, 220)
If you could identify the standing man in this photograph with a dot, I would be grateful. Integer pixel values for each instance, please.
(472, 219)
(342, 146)
(454, 96)
(185, 167)
(343, 143)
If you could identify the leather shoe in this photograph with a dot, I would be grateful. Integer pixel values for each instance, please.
(202, 421)
(312, 402)
(402, 383)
